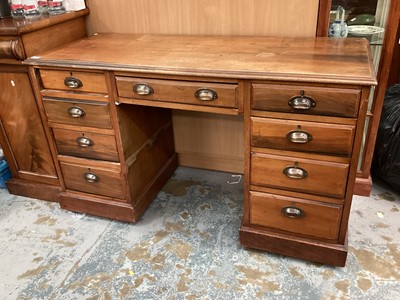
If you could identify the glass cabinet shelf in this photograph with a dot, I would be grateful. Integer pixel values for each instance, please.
(367, 17)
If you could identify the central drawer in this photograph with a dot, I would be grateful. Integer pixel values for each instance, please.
(185, 92)
(299, 174)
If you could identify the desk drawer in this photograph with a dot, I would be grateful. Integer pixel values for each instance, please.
(298, 174)
(74, 81)
(76, 112)
(295, 215)
(302, 136)
(86, 144)
(186, 92)
(315, 100)
(102, 180)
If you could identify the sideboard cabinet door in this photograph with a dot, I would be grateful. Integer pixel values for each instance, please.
(23, 131)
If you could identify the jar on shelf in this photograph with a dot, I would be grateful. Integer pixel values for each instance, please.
(17, 9)
(43, 7)
(339, 28)
(56, 7)
(31, 10)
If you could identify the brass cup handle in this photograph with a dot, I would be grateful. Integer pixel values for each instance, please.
(294, 172)
(299, 136)
(76, 112)
(302, 102)
(91, 178)
(206, 95)
(73, 82)
(143, 89)
(84, 142)
(292, 212)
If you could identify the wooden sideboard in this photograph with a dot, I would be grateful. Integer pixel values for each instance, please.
(106, 103)
(22, 135)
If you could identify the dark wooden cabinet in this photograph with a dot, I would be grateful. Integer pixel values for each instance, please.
(22, 134)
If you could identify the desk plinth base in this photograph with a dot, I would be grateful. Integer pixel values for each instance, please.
(103, 207)
(97, 206)
(31, 189)
(363, 186)
(315, 251)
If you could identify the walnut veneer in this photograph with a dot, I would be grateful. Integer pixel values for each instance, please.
(22, 135)
(107, 101)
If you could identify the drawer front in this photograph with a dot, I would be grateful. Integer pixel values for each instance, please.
(295, 215)
(306, 100)
(81, 113)
(86, 144)
(298, 174)
(302, 136)
(74, 81)
(98, 181)
(198, 93)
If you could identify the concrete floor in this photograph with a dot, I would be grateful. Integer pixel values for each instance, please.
(186, 247)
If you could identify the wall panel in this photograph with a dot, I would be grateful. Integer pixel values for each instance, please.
(216, 17)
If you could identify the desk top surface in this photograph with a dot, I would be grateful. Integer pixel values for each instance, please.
(323, 60)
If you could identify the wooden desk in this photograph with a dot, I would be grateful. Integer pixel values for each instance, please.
(106, 104)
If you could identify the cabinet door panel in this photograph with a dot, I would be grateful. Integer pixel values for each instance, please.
(23, 128)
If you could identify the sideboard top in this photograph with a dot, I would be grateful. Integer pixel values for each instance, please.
(323, 60)
(10, 26)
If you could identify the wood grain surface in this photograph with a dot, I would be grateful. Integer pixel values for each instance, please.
(102, 146)
(96, 114)
(319, 220)
(109, 183)
(346, 61)
(178, 91)
(209, 141)
(329, 101)
(10, 26)
(275, 133)
(91, 82)
(210, 17)
(324, 178)
(23, 127)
